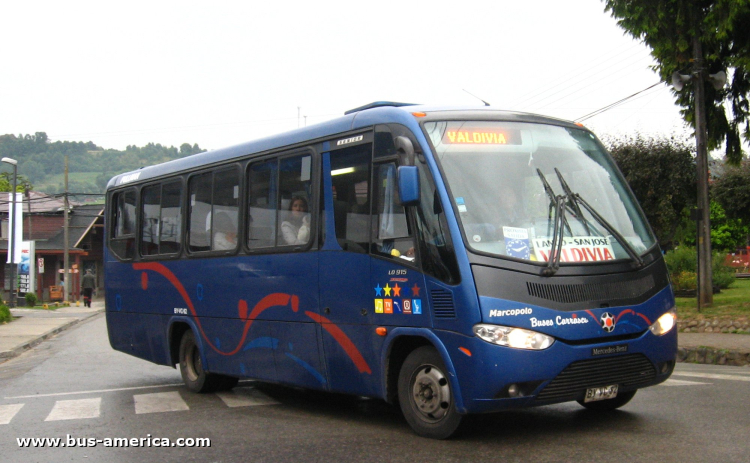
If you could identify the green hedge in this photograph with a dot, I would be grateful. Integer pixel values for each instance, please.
(5, 315)
(683, 261)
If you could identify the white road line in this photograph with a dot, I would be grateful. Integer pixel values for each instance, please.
(245, 397)
(75, 409)
(7, 412)
(678, 382)
(95, 391)
(159, 402)
(712, 376)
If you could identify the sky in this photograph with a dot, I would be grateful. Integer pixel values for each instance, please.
(224, 72)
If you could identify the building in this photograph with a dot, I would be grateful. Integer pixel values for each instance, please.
(43, 219)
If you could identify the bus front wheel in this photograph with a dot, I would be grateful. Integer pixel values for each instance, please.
(191, 368)
(425, 395)
(610, 404)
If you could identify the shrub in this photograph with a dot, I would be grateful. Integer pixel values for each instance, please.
(30, 299)
(684, 260)
(5, 315)
(723, 275)
(685, 281)
(681, 259)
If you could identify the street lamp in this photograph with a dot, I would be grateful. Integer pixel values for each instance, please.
(12, 244)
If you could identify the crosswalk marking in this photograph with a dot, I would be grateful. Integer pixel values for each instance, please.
(245, 397)
(75, 409)
(7, 412)
(93, 391)
(712, 376)
(679, 382)
(159, 402)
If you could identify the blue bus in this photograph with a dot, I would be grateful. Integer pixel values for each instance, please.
(451, 260)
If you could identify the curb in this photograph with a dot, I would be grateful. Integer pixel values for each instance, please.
(15, 352)
(713, 356)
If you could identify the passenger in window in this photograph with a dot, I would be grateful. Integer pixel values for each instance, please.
(225, 233)
(296, 228)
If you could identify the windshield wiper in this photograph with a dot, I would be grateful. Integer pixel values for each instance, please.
(569, 194)
(552, 202)
(558, 203)
(575, 199)
(553, 261)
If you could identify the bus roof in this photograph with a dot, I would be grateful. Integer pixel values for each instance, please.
(381, 112)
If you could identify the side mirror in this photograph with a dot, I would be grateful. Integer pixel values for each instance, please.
(408, 185)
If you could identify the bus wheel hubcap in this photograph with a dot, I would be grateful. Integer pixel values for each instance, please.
(194, 364)
(431, 393)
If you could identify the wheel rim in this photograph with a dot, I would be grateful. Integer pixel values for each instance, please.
(431, 393)
(193, 363)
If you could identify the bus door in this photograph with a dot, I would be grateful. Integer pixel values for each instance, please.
(347, 311)
(397, 287)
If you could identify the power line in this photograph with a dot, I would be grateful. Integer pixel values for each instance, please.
(616, 103)
(577, 78)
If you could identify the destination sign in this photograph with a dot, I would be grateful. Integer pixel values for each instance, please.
(482, 137)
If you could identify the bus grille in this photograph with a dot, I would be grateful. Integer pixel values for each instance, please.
(442, 304)
(591, 292)
(627, 371)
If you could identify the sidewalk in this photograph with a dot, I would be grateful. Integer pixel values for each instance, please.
(33, 326)
(714, 348)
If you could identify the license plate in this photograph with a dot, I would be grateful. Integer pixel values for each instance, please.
(601, 393)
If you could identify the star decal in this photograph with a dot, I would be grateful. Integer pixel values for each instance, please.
(415, 290)
(387, 290)
(378, 290)
(396, 290)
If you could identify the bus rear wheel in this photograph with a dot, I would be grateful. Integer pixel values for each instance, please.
(610, 404)
(191, 368)
(425, 395)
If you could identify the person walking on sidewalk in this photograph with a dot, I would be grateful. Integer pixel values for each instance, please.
(88, 284)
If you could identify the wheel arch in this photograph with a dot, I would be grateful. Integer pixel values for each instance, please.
(177, 328)
(398, 345)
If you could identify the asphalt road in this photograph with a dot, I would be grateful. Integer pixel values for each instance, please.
(76, 388)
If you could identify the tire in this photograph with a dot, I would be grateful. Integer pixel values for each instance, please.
(191, 368)
(610, 404)
(425, 395)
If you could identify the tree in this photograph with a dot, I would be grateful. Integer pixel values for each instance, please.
(669, 28)
(727, 233)
(661, 173)
(732, 192)
(699, 38)
(22, 183)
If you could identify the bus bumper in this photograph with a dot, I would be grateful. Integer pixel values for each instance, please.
(494, 378)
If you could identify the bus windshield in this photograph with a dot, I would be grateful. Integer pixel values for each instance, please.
(518, 185)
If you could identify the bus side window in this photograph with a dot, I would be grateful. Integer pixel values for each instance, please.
(350, 178)
(122, 241)
(199, 221)
(150, 213)
(261, 209)
(391, 235)
(435, 245)
(224, 210)
(295, 183)
(170, 227)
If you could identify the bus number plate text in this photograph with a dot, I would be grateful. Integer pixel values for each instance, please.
(601, 393)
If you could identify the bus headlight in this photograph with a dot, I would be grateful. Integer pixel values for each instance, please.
(513, 337)
(665, 323)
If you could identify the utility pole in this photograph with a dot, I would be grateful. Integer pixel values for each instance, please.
(705, 272)
(66, 258)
